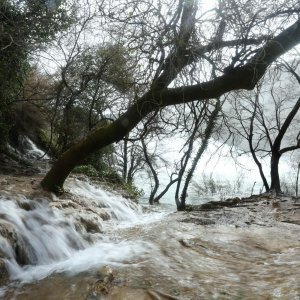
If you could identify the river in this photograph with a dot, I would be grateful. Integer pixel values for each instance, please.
(66, 245)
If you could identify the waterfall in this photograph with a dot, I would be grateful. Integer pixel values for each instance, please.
(33, 151)
(35, 234)
(117, 206)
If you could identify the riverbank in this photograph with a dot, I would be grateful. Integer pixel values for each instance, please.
(263, 210)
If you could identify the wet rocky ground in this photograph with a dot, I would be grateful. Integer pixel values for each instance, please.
(11, 164)
(263, 210)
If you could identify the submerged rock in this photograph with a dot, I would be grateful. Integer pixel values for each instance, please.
(262, 210)
(26, 205)
(87, 217)
(91, 223)
(103, 285)
(220, 204)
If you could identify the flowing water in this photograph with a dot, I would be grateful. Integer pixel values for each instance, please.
(154, 253)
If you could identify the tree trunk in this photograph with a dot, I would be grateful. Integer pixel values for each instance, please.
(153, 172)
(252, 150)
(125, 160)
(276, 152)
(180, 204)
(184, 162)
(297, 179)
(261, 172)
(97, 139)
(275, 180)
(158, 197)
(207, 134)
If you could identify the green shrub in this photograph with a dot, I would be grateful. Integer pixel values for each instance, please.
(132, 191)
(111, 176)
(87, 170)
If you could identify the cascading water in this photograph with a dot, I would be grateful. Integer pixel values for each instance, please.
(33, 151)
(55, 248)
(40, 237)
(118, 207)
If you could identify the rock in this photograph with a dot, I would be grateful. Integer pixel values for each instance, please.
(103, 285)
(4, 275)
(24, 205)
(25, 255)
(91, 224)
(4, 182)
(105, 274)
(101, 212)
(8, 232)
(275, 204)
(22, 254)
(88, 217)
(199, 221)
(64, 204)
(208, 205)
(185, 243)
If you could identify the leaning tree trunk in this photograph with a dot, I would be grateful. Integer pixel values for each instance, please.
(97, 139)
(244, 77)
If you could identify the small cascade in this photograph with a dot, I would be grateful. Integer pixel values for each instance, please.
(33, 151)
(117, 207)
(33, 234)
(39, 237)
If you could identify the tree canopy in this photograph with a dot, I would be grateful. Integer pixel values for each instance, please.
(26, 27)
(133, 68)
(231, 56)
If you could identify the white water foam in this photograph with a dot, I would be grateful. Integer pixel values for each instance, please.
(126, 212)
(34, 151)
(43, 240)
(119, 207)
(36, 236)
(91, 258)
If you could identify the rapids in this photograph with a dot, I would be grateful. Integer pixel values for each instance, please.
(55, 248)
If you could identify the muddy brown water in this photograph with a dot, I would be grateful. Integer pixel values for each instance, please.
(246, 252)
(188, 261)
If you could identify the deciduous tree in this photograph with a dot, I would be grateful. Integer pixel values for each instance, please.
(182, 44)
